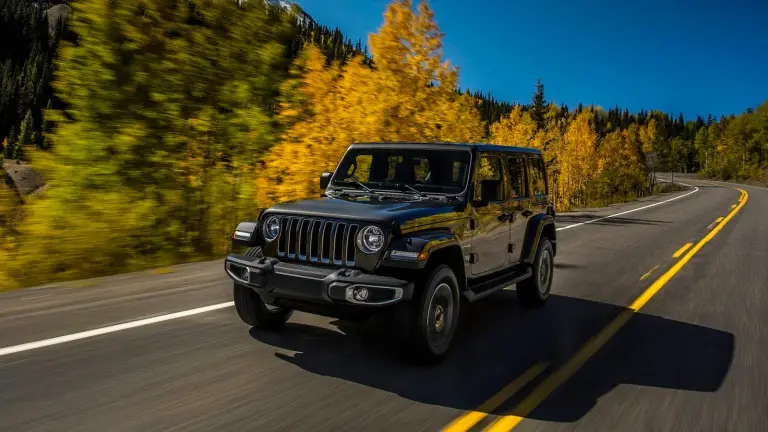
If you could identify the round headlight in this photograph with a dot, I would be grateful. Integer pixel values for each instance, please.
(371, 239)
(271, 228)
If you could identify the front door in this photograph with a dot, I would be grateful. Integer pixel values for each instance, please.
(490, 234)
(518, 206)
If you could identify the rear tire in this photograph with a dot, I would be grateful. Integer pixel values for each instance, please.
(427, 323)
(534, 291)
(252, 309)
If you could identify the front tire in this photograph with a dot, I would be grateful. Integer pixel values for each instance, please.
(427, 323)
(534, 291)
(254, 312)
(251, 308)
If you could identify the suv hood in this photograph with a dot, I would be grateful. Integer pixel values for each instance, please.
(351, 208)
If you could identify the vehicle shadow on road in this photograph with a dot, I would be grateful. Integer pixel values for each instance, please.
(498, 341)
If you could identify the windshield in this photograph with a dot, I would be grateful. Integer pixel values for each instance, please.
(425, 170)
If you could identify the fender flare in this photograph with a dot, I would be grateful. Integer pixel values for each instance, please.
(533, 233)
(248, 232)
(420, 245)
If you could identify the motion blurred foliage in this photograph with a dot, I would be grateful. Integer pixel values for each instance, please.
(10, 217)
(151, 161)
(168, 121)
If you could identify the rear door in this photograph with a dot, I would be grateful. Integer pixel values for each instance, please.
(518, 204)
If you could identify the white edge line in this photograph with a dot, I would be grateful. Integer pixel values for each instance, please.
(633, 210)
(110, 329)
(132, 324)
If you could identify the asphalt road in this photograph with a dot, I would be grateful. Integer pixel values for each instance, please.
(693, 358)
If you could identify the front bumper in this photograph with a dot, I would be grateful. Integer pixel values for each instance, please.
(277, 280)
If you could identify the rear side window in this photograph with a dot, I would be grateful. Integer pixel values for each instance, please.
(538, 177)
(516, 170)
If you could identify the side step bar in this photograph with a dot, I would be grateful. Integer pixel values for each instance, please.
(486, 288)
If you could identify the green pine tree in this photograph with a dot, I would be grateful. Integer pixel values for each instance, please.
(27, 130)
(10, 145)
(538, 105)
(26, 136)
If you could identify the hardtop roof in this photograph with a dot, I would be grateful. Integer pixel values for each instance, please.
(478, 146)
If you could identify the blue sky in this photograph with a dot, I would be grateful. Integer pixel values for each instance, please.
(690, 56)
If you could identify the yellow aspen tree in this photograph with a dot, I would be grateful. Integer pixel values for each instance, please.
(460, 120)
(579, 162)
(516, 129)
(409, 95)
(306, 108)
(550, 142)
(610, 164)
(648, 136)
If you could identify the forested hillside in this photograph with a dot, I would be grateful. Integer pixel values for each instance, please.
(29, 39)
(159, 124)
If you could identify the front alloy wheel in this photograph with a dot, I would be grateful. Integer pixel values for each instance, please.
(428, 322)
(440, 315)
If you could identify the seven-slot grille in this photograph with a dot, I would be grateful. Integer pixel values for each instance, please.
(317, 240)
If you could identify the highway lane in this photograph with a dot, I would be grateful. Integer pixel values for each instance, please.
(208, 371)
(713, 376)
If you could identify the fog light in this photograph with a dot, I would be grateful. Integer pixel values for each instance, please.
(360, 294)
(246, 275)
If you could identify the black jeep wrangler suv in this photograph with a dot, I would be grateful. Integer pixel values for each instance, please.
(404, 230)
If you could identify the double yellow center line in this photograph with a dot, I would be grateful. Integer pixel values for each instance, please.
(472, 418)
(556, 379)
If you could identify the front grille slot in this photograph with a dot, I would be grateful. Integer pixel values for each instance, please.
(338, 242)
(293, 236)
(325, 242)
(315, 240)
(303, 239)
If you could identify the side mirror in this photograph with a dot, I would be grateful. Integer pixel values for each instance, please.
(325, 178)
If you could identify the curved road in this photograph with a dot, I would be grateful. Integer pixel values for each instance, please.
(690, 356)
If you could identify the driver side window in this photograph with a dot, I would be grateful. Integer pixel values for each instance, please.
(360, 170)
(488, 180)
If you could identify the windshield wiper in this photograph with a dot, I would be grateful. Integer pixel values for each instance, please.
(358, 185)
(405, 186)
(444, 197)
